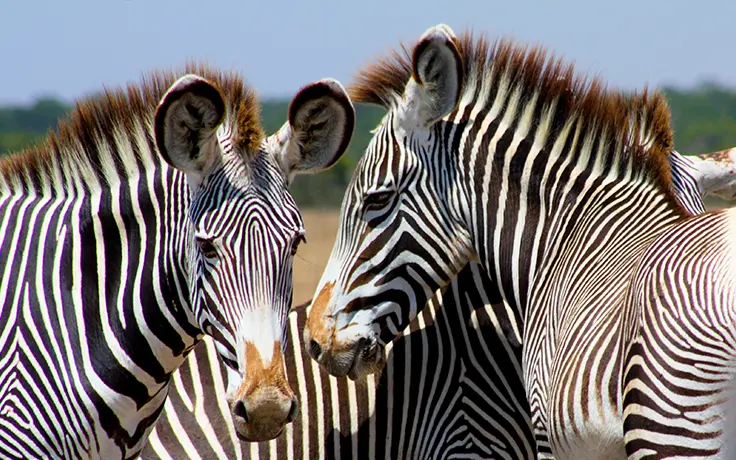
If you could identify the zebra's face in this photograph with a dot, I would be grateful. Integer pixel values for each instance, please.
(717, 173)
(400, 238)
(245, 230)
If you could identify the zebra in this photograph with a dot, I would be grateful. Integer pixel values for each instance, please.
(154, 215)
(487, 418)
(716, 173)
(403, 413)
(560, 188)
(705, 175)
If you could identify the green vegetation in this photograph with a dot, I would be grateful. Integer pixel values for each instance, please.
(20, 126)
(704, 118)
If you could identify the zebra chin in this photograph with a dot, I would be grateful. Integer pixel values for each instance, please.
(368, 359)
(355, 357)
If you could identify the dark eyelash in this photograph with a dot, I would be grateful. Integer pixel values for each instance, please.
(207, 247)
(377, 200)
(297, 241)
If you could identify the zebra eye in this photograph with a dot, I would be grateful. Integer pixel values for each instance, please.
(377, 199)
(297, 241)
(207, 248)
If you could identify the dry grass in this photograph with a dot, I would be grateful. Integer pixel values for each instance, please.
(312, 257)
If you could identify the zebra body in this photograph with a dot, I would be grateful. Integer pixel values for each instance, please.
(155, 215)
(467, 323)
(683, 356)
(417, 408)
(560, 189)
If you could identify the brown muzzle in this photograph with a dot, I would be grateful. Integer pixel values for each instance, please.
(264, 403)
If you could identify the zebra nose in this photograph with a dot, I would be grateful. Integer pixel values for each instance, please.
(239, 411)
(293, 411)
(315, 350)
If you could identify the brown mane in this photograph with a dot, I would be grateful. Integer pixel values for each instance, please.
(531, 71)
(95, 119)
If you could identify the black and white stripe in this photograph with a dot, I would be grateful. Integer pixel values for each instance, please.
(155, 215)
(560, 189)
(687, 184)
(487, 416)
(465, 405)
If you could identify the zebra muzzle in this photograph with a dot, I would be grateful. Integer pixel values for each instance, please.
(264, 403)
(264, 419)
(369, 358)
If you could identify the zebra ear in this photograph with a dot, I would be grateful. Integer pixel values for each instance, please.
(437, 79)
(320, 126)
(185, 124)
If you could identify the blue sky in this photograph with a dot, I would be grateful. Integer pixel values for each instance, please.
(69, 48)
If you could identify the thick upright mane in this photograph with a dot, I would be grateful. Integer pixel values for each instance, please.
(96, 120)
(640, 121)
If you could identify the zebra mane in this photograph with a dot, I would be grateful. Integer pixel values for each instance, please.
(85, 140)
(640, 121)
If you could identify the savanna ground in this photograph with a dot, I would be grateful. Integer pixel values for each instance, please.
(310, 260)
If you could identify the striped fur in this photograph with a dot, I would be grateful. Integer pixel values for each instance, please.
(113, 263)
(418, 408)
(560, 188)
(468, 324)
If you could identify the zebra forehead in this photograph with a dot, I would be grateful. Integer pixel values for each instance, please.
(97, 116)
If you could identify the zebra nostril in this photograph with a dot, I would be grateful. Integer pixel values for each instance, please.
(239, 411)
(360, 347)
(293, 411)
(315, 350)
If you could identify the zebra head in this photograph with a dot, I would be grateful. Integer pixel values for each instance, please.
(245, 228)
(399, 233)
(717, 173)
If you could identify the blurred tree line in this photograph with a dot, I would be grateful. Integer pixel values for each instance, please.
(704, 118)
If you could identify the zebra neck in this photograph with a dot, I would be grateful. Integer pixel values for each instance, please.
(532, 213)
(143, 227)
(95, 282)
(153, 230)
